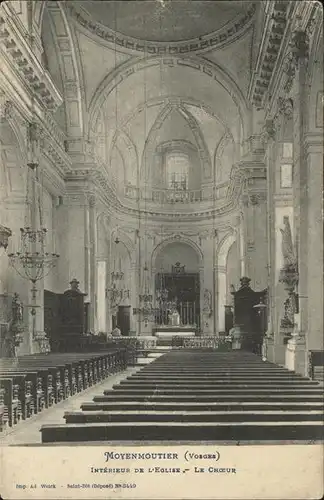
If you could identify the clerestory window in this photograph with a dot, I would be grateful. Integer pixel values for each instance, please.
(177, 170)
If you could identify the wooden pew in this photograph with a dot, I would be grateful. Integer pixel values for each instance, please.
(316, 360)
(29, 383)
(36, 378)
(43, 390)
(26, 392)
(11, 400)
(3, 409)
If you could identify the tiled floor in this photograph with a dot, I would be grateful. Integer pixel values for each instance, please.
(27, 432)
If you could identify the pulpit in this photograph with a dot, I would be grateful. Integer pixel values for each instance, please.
(247, 317)
(72, 314)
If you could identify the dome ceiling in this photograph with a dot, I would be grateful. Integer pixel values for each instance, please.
(164, 22)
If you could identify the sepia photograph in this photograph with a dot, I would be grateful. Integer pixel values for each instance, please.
(161, 249)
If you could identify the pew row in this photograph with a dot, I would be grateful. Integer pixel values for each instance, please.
(31, 383)
(201, 396)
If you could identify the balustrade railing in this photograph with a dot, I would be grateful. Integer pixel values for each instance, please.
(165, 196)
(162, 196)
(217, 343)
(138, 343)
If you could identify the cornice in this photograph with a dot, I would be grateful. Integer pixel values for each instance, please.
(295, 49)
(232, 31)
(107, 195)
(50, 137)
(286, 40)
(17, 53)
(56, 155)
(275, 29)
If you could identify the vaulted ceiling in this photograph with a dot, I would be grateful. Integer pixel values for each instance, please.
(151, 72)
(163, 20)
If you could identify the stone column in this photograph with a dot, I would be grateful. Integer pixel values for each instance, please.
(133, 299)
(101, 295)
(5, 233)
(221, 297)
(93, 323)
(314, 262)
(73, 241)
(272, 341)
(255, 217)
(296, 347)
(240, 235)
(207, 280)
(254, 208)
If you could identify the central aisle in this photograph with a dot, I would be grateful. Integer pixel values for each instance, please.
(199, 396)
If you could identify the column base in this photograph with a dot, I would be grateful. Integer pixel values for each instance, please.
(268, 349)
(275, 348)
(295, 357)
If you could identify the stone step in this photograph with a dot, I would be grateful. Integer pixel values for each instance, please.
(308, 398)
(195, 416)
(209, 406)
(202, 380)
(214, 366)
(140, 384)
(213, 391)
(182, 431)
(257, 373)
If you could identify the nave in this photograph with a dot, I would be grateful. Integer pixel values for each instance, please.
(187, 396)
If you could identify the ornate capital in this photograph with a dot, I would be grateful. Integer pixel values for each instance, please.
(253, 199)
(257, 198)
(285, 106)
(92, 200)
(269, 131)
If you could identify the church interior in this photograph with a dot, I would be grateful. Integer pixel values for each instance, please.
(161, 238)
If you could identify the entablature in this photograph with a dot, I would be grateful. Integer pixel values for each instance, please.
(22, 64)
(95, 176)
(288, 30)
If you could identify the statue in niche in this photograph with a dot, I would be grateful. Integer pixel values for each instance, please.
(207, 301)
(17, 309)
(15, 329)
(287, 244)
(289, 311)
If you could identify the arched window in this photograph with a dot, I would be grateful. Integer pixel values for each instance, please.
(177, 170)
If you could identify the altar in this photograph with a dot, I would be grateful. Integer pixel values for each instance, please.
(167, 332)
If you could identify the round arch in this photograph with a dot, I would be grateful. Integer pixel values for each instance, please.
(222, 253)
(223, 248)
(216, 72)
(176, 239)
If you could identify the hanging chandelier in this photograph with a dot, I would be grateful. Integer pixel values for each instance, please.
(117, 291)
(32, 260)
(162, 293)
(146, 311)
